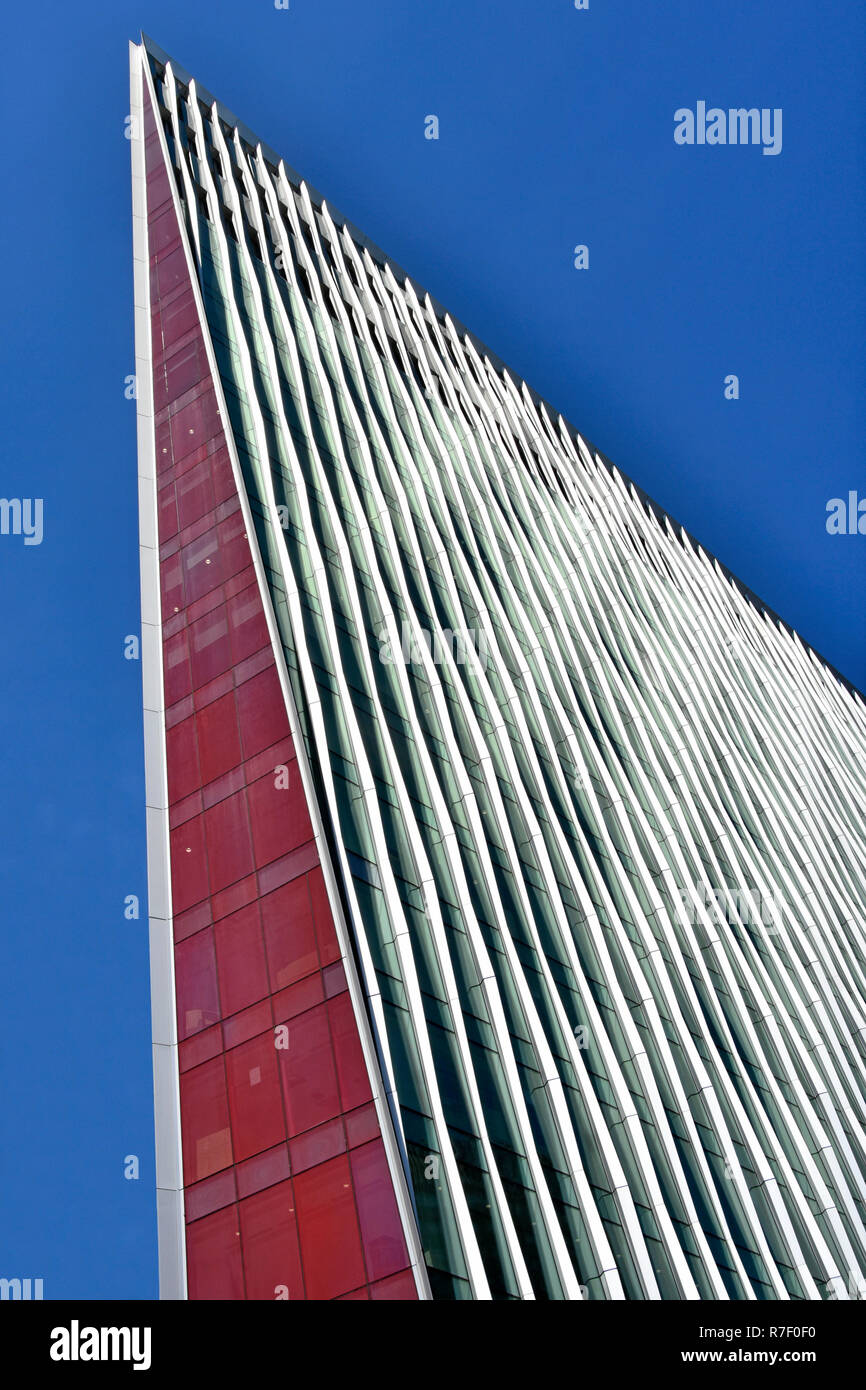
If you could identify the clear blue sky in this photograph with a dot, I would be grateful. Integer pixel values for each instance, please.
(556, 129)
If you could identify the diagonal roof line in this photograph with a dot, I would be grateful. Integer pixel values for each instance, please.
(384, 259)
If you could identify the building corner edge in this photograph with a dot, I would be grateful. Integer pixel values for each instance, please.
(166, 1076)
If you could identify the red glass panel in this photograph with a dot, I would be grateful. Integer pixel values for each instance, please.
(170, 271)
(233, 542)
(209, 647)
(317, 1145)
(263, 1171)
(207, 1145)
(399, 1286)
(211, 1195)
(221, 472)
(171, 585)
(254, 1097)
(240, 952)
(158, 187)
(167, 504)
(184, 368)
(182, 759)
(289, 936)
(195, 493)
(290, 867)
(334, 977)
(189, 883)
(362, 1125)
(192, 424)
(219, 741)
(193, 920)
(329, 950)
(297, 999)
(330, 1241)
(202, 566)
(279, 817)
(162, 233)
(176, 667)
(201, 1047)
(262, 712)
(249, 1023)
(351, 1067)
(249, 631)
(221, 787)
(381, 1231)
(234, 898)
(270, 1244)
(214, 1256)
(178, 317)
(230, 854)
(198, 1004)
(309, 1077)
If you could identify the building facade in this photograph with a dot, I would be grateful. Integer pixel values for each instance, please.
(506, 867)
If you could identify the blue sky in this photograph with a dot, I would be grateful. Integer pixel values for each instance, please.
(556, 129)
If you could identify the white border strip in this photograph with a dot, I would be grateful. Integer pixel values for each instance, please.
(166, 1074)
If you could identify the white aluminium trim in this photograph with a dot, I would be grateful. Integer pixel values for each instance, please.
(166, 1076)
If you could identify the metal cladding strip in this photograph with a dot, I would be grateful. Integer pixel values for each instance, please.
(690, 669)
(649, 886)
(395, 1165)
(166, 1087)
(367, 782)
(781, 929)
(382, 514)
(467, 798)
(435, 925)
(191, 222)
(494, 1176)
(626, 1023)
(783, 1015)
(313, 705)
(804, 809)
(386, 1117)
(539, 627)
(835, 942)
(782, 872)
(380, 1090)
(679, 751)
(613, 797)
(535, 838)
(426, 876)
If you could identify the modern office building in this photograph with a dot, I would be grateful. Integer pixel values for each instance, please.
(506, 864)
